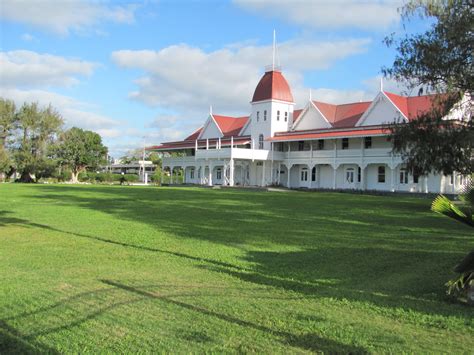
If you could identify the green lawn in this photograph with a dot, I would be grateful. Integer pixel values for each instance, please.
(134, 269)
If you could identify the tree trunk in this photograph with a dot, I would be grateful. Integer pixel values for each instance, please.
(26, 177)
(74, 175)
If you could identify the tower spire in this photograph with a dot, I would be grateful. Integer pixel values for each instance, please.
(274, 49)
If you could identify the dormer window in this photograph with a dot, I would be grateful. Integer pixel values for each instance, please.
(258, 116)
(278, 115)
(265, 115)
(286, 116)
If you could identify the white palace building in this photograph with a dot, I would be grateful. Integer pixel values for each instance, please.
(322, 146)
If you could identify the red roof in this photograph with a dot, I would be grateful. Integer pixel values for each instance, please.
(345, 115)
(329, 133)
(413, 106)
(230, 126)
(272, 85)
(296, 115)
(194, 135)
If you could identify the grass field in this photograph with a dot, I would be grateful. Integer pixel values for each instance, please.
(134, 269)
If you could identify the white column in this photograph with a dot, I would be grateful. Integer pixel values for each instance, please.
(442, 184)
(184, 175)
(231, 172)
(334, 176)
(288, 168)
(454, 182)
(279, 172)
(203, 172)
(426, 183)
(263, 173)
(162, 174)
(207, 144)
(171, 175)
(392, 178)
(209, 181)
(271, 170)
(362, 177)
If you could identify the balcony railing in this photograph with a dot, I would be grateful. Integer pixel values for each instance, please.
(262, 154)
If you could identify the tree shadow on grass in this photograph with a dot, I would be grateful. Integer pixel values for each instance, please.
(233, 217)
(23, 222)
(309, 341)
(13, 342)
(391, 279)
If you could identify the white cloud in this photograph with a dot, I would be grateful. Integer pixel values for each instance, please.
(26, 68)
(186, 78)
(329, 13)
(65, 16)
(27, 37)
(163, 121)
(74, 112)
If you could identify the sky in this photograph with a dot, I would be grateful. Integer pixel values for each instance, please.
(142, 73)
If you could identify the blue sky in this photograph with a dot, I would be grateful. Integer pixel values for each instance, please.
(147, 71)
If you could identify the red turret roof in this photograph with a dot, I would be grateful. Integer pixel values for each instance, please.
(273, 85)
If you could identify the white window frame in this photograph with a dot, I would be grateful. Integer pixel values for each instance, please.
(260, 141)
(403, 176)
(304, 174)
(379, 174)
(219, 174)
(350, 174)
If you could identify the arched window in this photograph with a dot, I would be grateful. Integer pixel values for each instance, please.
(265, 115)
(278, 115)
(260, 141)
(286, 116)
(350, 175)
(258, 116)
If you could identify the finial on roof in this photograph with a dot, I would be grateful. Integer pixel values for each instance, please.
(381, 83)
(210, 110)
(274, 49)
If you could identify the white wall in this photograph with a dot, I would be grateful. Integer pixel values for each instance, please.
(271, 125)
(211, 130)
(311, 118)
(381, 111)
(325, 176)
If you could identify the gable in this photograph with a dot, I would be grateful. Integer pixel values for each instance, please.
(311, 118)
(246, 130)
(381, 111)
(210, 130)
(230, 126)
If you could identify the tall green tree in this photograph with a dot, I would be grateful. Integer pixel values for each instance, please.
(79, 149)
(36, 130)
(437, 60)
(7, 120)
(7, 126)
